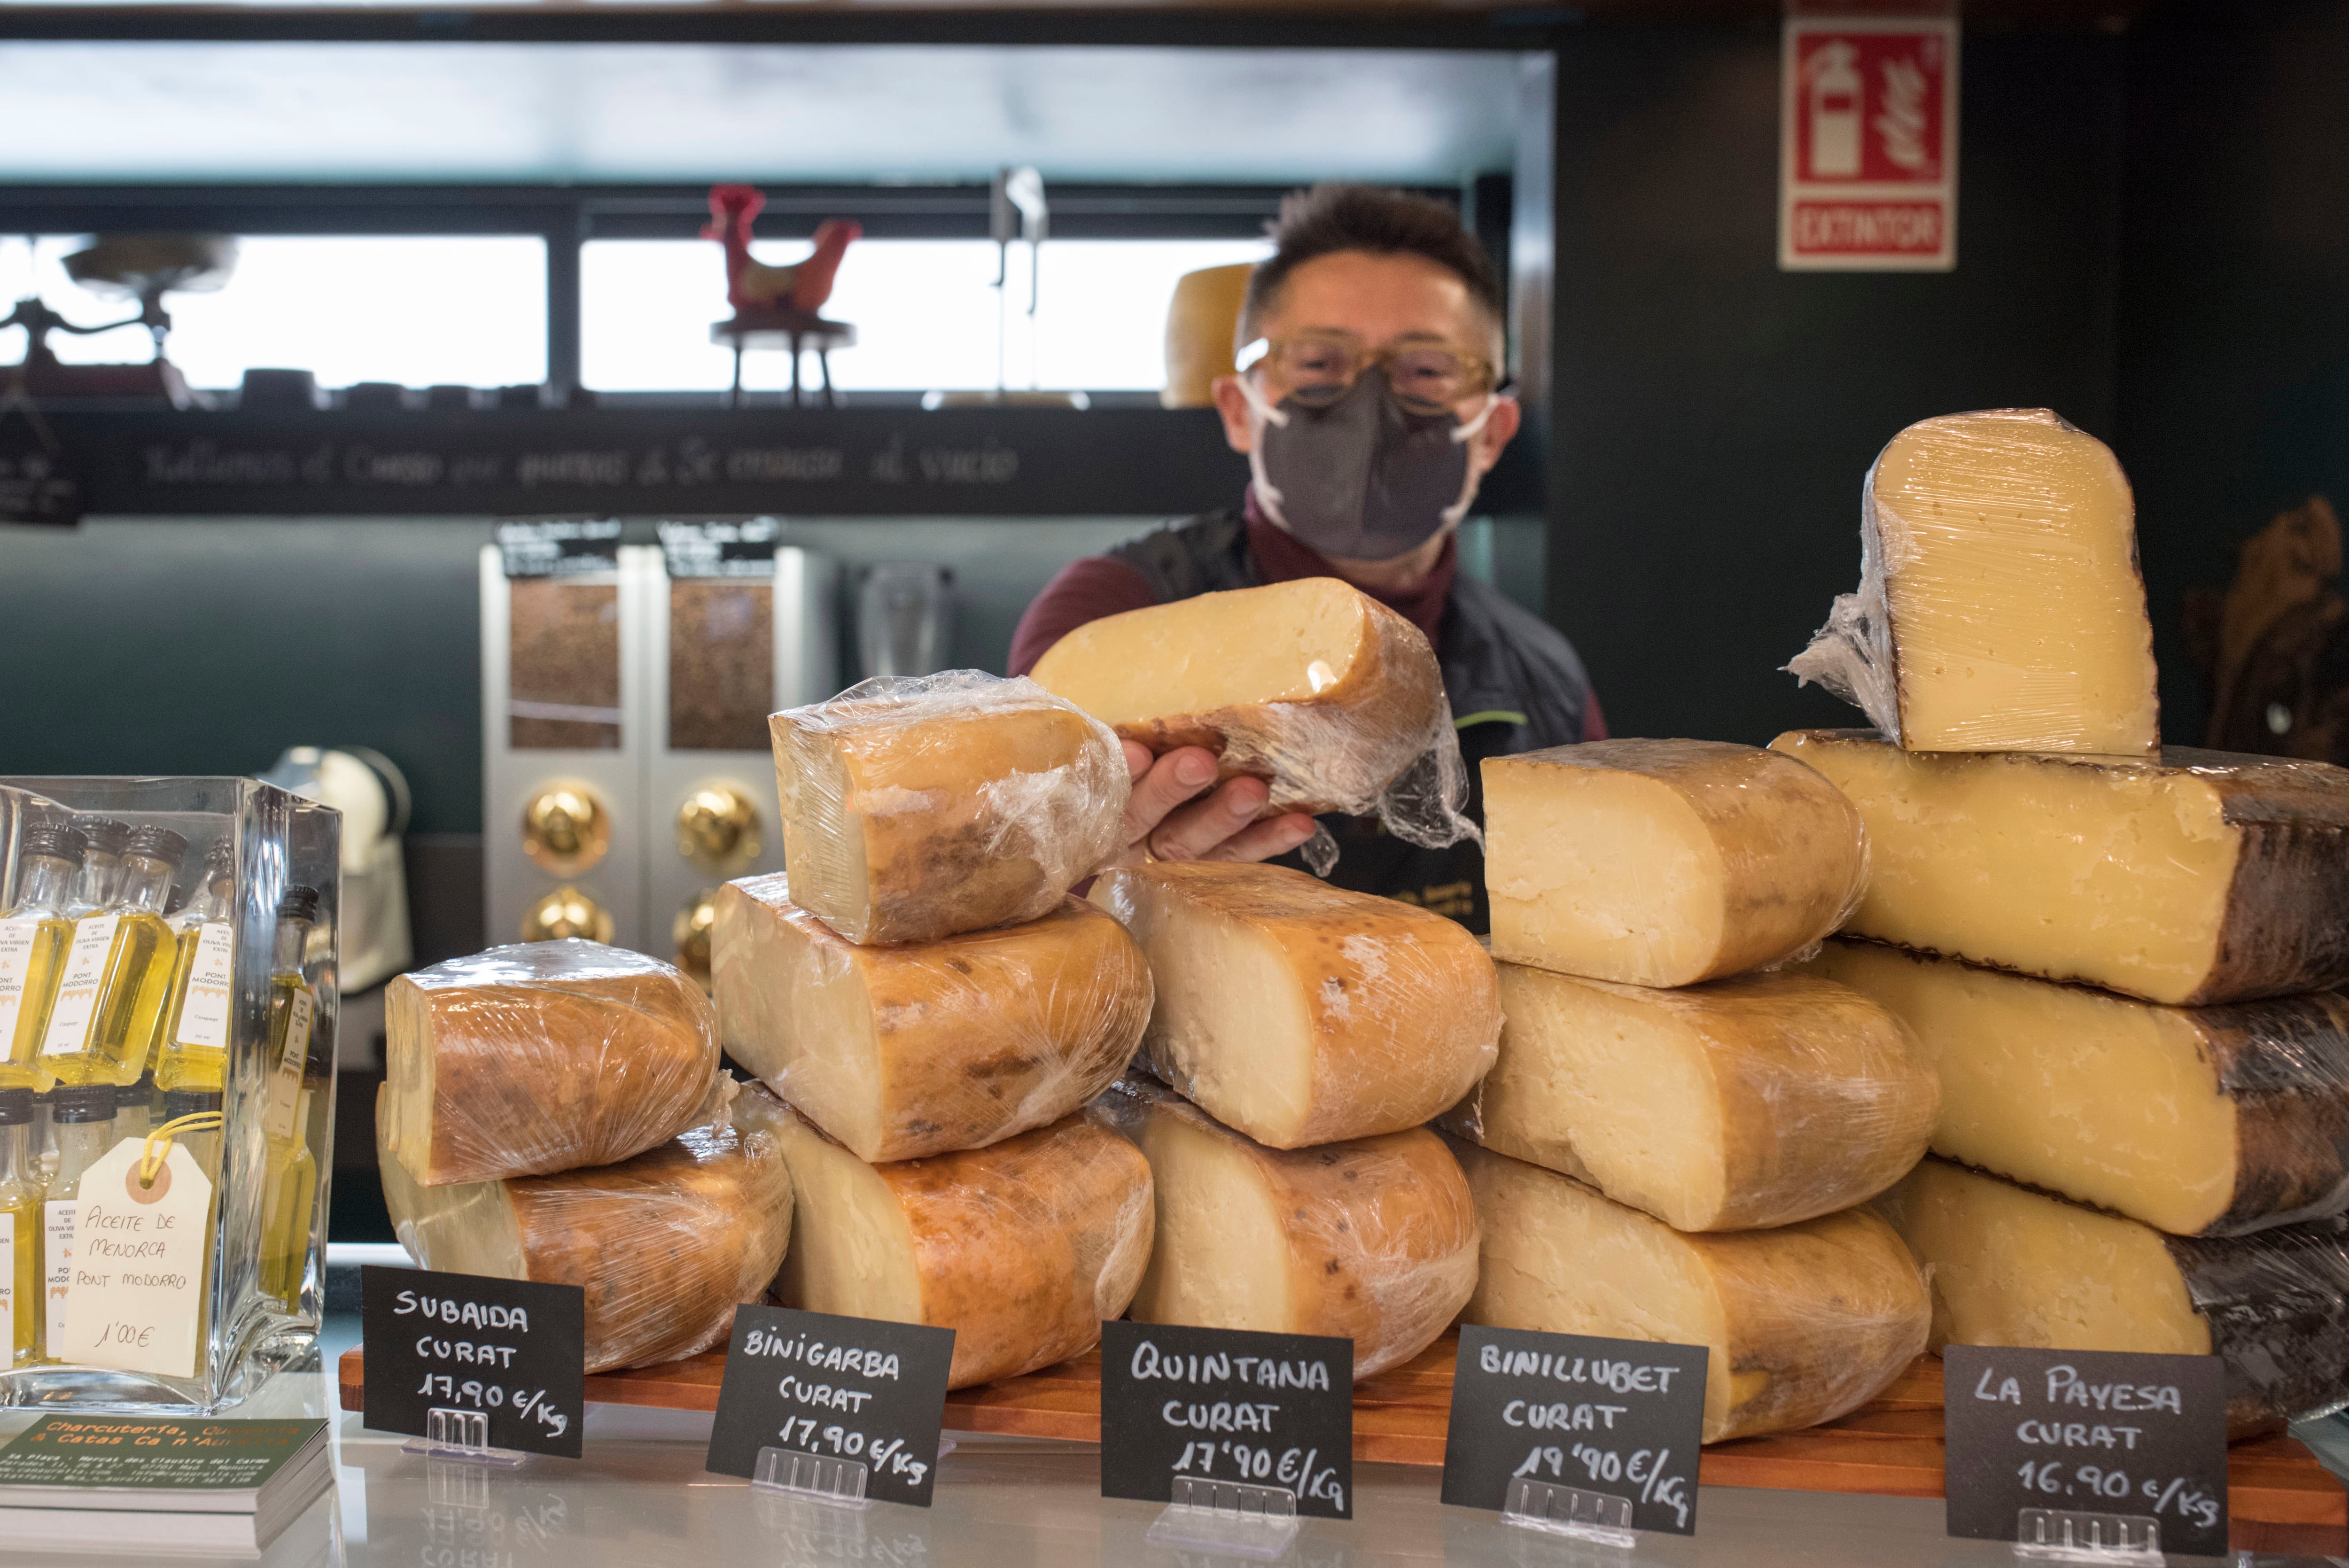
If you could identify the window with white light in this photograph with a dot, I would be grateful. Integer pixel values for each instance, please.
(418, 311)
(926, 312)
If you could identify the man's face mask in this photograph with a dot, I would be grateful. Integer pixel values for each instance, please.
(1364, 477)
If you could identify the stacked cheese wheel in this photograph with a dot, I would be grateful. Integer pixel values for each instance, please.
(555, 1112)
(2120, 958)
(934, 1010)
(1671, 1146)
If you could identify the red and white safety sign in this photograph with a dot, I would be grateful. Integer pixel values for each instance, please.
(1867, 153)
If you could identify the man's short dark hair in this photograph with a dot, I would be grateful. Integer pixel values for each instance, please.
(1328, 218)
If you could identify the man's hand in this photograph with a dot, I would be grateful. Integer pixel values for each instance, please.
(1164, 822)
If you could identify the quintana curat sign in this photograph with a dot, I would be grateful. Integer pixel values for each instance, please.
(1868, 145)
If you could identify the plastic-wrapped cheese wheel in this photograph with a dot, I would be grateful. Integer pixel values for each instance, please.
(915, 808)
(1022, 1248)
(665, 1244)
(925, 1047)
(525, 1060)
(1371, 1240)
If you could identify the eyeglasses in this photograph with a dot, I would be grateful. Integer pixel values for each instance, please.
(1427, 375)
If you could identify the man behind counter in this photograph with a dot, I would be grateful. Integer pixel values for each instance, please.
(1369, 406)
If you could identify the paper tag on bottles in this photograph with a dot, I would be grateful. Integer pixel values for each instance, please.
(57, 1266)
(77, 1001)
(9, 1304)
(136, 1290)
(16, 965)
(285, 1083)
(203, 1011)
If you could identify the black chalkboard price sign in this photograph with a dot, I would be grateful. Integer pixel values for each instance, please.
(1622, 1416)
(1224, 1404)
(512, 1350)
(838, 1387)
(2086, 1431)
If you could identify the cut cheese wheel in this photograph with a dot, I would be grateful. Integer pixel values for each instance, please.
(1664, 862)
(524, 1061)
(1801, 1323)
(1727, 1107)
(1301, 1013)
(925, 1047)
(2197, 1120)
(665, 1244)
(1022, 1248)
(2000, 607)
(917, 808)
(2016, 1267)
(1371, 1240)
(2206, 877)
(1311, 686)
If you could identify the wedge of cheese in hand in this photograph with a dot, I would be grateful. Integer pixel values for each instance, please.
(2016, 1267)
(666, 1245)
(2000, 607)
(1301, 1013)
(2197, 1120)
(2206, 877)
(915, 809)
(1312, 685)
(1664, 862)
(1730, 1105)
(522, 1061)
(1022, 1248)
(1801, 1323)
(924, 1047)
(1371, 1240)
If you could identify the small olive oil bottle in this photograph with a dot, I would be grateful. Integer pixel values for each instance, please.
(195, 1040)
(290, 1176)
(32, 938)
(22, 1289)
(116, 974)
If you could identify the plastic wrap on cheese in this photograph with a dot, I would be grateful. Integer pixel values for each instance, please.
(2000, 607)
(665, 1244)
(1802, 1324)
(1732, 1106)
(913, 808)
(1022, 1248)
(1665, 862)
(916, 1049)
(525, 1060)
(1333, 700)
(1372, 1239)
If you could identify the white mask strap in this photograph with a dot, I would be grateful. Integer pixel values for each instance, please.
(1468, 432)
(1263, 410)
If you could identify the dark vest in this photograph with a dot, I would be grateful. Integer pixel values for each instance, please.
(1514, 684)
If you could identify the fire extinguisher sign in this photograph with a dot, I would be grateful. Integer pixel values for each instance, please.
(1867, 153)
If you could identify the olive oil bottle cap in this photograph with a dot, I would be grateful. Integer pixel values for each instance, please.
(104, 835)
(128, 1095)
(179, 1102)
(55, 840)
(220, 861)
(16, 1107)
(156, 845)
(74, 1103)
(299, 904)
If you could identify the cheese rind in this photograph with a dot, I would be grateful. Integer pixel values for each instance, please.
(1021, 1248)
(915, 809)
(1731, 1106)
(1664, 862)
(1372, 1239)
(525, 1060)
(1801, 1323)
(926, 1047)
(1301, 1013)
(2000, 607)
(2016, 1267)
(666, 1245)
(2205, 877)
(1311, 686)
(2197, 1120)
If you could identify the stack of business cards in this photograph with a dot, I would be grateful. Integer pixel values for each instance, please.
(161, 1485)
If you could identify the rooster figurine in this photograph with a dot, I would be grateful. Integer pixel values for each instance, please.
(752, 286)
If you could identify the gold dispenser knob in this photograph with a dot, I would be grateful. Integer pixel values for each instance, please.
(566, 912)
(565, 829)
(718, 829)
(690, 930)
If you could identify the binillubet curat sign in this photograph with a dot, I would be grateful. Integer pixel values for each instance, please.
(1868, 145)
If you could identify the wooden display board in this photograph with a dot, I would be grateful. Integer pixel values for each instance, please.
(2278, 1497)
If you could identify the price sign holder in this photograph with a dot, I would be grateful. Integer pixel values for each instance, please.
(1228, 1517)
(2087, 1456)
(829, 1410)
(481, 1369)
(1570, 1434)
